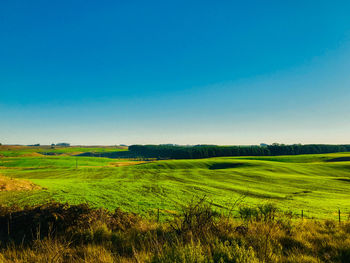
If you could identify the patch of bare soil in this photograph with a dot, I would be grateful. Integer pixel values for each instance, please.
(119, 164)
(10, 184)
(33, 154)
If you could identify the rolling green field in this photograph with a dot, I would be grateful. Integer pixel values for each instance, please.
(305, 182)
(20, 151)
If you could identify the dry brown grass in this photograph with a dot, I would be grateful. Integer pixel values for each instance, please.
(199, 235)
(13, 147)
(119, 164)
(52, 251)
(33, 154)
(11, 184)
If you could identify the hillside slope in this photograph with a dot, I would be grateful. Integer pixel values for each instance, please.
(305, 182)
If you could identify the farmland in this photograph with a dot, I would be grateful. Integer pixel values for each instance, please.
(317, 184)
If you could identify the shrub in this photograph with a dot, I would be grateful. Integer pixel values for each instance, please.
(247, 214)
(196, 220)
(102, 234)
(55, 219)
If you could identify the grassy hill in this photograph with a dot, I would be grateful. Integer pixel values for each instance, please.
(21, 151)
(317, 184)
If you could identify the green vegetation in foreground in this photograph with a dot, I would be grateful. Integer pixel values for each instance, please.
(293, 183)
(60, 233)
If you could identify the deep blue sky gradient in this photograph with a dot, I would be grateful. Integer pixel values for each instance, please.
(187, 72)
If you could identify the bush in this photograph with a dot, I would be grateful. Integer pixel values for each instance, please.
(265, 212)
(197, 220)
(247, 214)
(54, 219)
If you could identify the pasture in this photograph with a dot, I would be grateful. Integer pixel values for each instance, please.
(317, 184)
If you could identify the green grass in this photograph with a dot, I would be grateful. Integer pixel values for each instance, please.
(293, 183)
(18, 151)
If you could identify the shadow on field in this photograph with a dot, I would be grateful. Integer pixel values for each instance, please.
(339, 159)
(344, 179)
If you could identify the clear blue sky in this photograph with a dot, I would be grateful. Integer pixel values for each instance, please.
(186, 72)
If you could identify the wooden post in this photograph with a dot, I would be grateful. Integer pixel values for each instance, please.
(339, 215)
(302, 214)
(8, 225)
(8, 228)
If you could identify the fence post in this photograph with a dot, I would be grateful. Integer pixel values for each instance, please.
(339, 215)
(302, 214)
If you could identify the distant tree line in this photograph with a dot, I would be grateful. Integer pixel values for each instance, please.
(62, 144)
(206, 151)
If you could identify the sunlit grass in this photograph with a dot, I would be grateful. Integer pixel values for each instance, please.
(293, 183)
